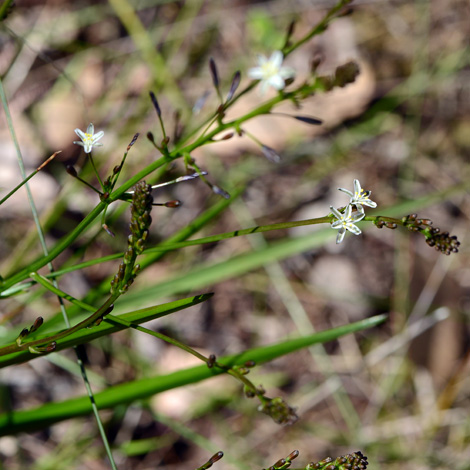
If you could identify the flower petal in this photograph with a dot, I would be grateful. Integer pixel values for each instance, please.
(337, 224)
(264, 87)
(336, 213)
(356, 217)
(353, 229)
(90, 129)
(357, 187)
(256, 73)
(97, 137)
(262, 59)
(277, 82)
(369, 203)
(340, 236)
(276, 59)
(80, 133)
(349, 193)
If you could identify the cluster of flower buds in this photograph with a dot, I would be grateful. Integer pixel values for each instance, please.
(344, 75)
(443, 242)
(141, 207)
(279, 410)
(27, 331)
(355, 461)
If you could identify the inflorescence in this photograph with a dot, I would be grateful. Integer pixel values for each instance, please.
(443, 242)
(355, 461)
(141, 207)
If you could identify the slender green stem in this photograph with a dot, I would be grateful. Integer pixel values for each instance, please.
(96, 171)
(319, 28)
(113, 319)
(35, 172)
(165, 247)
(54, 284)
(179, 151)
(4, 8)
(56, 250)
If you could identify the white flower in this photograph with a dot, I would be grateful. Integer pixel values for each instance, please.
(346, 222)
(360, 197)
(270, 72)
(89, 138)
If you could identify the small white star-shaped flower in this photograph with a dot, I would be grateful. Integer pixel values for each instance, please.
(360, 197)
(346, 222)
(270, 72)
(89, 138)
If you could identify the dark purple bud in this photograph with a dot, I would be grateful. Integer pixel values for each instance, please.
(309, 120)
(71, 171)
(214, 73)
(155, 103)
(220, 111)
(150, 137)
(270, 154)
(24, 333)
(220, 191)
(132, 142)
(235, 83)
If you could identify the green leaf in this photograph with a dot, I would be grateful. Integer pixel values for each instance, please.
(50, 413)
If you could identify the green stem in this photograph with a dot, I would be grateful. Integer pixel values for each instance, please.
(56, 250)
(319, 28)
(12, 348)
(165, 247)
(4, 8)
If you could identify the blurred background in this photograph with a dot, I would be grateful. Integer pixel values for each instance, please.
(400, 392)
